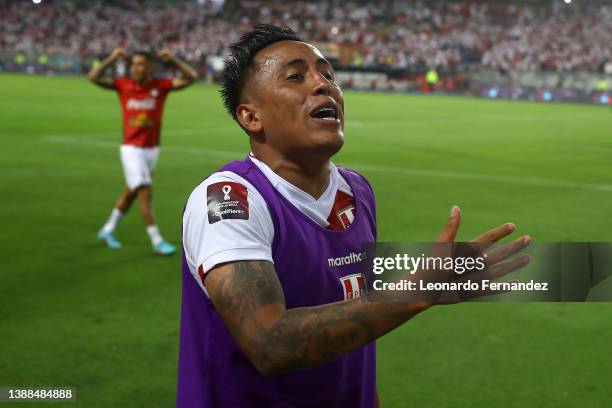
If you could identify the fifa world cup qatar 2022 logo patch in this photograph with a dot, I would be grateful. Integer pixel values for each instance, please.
(353, 286)
(227, 201)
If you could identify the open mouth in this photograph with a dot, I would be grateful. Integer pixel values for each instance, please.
(327, 111)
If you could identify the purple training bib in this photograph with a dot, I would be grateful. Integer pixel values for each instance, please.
(315, 266)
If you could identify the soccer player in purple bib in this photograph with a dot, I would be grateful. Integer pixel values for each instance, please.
(274, 310)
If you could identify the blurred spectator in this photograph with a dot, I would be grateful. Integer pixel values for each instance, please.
(392, 34)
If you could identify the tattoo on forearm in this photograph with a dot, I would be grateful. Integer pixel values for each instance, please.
(298, 337)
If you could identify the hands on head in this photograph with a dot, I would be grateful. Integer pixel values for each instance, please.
(165, 55)
(118, 53)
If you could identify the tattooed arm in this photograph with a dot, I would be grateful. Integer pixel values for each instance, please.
(249, 298)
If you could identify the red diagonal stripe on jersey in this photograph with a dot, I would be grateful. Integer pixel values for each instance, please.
(338, 218)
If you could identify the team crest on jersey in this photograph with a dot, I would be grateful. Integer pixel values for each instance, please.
(342, 213)
(346, 216)
(353, 286)
(154, 92)
(227, 201)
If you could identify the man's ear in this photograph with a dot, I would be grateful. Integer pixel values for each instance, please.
(249, 118)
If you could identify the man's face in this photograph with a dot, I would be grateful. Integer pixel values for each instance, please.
(140, 69)
(301, 107)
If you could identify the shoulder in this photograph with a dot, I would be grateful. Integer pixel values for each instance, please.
(355, 178)
(226, 220)
(225, 190)
(346, 172)
(220, 177)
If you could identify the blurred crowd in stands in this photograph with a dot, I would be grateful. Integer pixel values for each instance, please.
(397, 35)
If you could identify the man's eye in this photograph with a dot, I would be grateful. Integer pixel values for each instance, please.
(294, 77)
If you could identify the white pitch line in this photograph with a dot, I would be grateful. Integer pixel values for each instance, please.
(487, 177)
(174, 132)
(227, 154)
(115, 145)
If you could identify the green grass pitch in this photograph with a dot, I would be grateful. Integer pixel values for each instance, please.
(74, 313)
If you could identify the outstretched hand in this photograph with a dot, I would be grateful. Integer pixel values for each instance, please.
(497, 263)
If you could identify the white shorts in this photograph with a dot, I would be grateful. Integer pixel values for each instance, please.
(138, 165)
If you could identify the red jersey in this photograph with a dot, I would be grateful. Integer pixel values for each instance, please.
(142, 106)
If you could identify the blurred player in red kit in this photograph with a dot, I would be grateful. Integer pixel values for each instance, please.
(142, 98)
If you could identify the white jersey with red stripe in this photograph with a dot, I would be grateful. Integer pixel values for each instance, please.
(208, 242)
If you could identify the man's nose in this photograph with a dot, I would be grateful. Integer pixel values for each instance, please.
(322, 85)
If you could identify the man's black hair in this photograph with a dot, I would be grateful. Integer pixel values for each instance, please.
(242, 52)
(147, 54)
